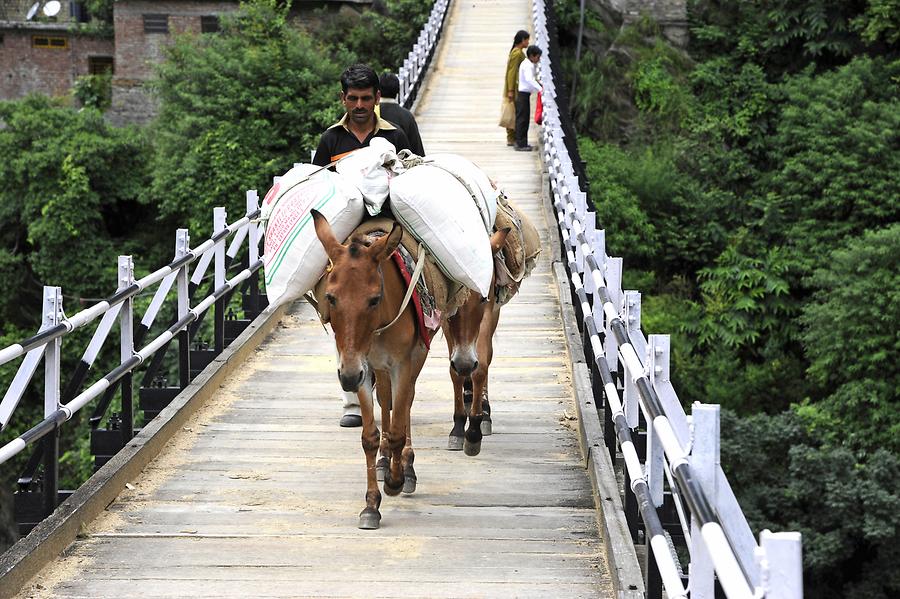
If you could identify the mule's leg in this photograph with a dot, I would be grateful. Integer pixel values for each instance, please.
(370, 517)
(383, 391)
(409, 473)
(486, 423)
(455, 441)
(403, 383)
(485, 349)
(472, 444)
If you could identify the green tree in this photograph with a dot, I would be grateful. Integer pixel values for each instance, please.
(836, 158)
(847, 510)
(850, 337)
(380, 38)
(236, 109)
(70, 181)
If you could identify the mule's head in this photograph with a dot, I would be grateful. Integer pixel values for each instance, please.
(463, 327)
(354, 291)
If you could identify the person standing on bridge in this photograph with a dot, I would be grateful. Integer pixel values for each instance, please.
(394, 113)
(360, 92)
(527, 84)
(511, 82)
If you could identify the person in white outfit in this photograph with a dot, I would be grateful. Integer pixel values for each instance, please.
(528, 84)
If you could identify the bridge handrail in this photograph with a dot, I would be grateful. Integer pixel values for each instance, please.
(47, 342)
(680, 449)
(416, 63)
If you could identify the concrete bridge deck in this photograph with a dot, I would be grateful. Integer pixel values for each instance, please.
(258, 494)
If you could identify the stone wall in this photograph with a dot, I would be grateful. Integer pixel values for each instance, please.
(670, 14)
(137, 52)
(52, 71)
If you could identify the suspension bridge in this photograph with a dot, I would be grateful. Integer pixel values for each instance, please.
(594, 483)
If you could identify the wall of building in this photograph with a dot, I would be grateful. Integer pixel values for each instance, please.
(26, 69)
(670, 14)
(137, 52)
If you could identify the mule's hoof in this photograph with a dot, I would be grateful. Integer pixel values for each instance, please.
(472, 448)
(409, 485)
(455, 443)
(381, 467)
(390, 488)
(486, 427)
(369, 519)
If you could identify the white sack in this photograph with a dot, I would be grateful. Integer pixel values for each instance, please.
(294, 257)
(371, 169)
(438, 211)
(477, 181)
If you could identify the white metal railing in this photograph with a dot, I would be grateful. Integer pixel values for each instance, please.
(46, 344)
(682, 451)
(416, 62)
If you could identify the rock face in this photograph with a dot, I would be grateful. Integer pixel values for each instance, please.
(670, 14)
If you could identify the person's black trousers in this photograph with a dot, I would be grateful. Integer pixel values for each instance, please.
(523, 110)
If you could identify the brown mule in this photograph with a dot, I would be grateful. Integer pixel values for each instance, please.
(470, 334)
(363, 291)
(472, 328)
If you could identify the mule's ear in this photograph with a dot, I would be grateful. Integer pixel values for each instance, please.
(498, 239)
(324, 232)
(385, 246)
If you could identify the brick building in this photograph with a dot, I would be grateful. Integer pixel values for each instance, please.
(45, 55)
(143, 29)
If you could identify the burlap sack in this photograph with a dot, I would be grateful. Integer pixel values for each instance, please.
(522, 247)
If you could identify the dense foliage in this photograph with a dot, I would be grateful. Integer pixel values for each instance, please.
(381, 38)
(237, 109)
(751, 184)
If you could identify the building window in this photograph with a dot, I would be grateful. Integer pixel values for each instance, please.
(100, 65)
(156, 23)
(209, 24)
(49, 41)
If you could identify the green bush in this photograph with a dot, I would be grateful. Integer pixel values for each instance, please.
(847, 510)
(238, 108)
(93, 91)
(380, 40)
(850, 337)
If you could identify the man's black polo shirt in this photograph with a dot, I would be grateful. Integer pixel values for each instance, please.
(338, 141)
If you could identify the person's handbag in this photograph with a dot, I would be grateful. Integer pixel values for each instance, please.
(539, 110)
(507, 114)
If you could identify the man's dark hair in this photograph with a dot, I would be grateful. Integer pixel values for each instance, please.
(533, 51)
(521, 34)
(390, 85)
(359, 76)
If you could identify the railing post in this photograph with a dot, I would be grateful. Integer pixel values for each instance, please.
(780, 561)
(631, 314)
(53, 315)
(126, 351)
(657, 361)
(253, 253)
(182, 282)
(614, 289)
(704, 461)
(219, 224)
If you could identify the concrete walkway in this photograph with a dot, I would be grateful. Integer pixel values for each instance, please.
(259, 494)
